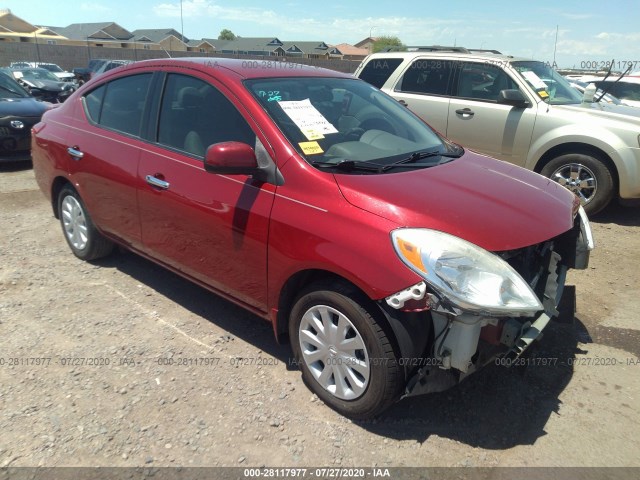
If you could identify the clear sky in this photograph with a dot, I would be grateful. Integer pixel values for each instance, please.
(587, 30)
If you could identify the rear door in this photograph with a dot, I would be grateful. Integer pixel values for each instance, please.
(478, 122)
(210, 227)
(105, 147)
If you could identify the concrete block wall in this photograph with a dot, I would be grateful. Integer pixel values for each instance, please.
(72, 56)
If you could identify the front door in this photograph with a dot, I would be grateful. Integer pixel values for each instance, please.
(478, 122)
(210, 227)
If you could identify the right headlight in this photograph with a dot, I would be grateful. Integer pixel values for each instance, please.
(470, 277)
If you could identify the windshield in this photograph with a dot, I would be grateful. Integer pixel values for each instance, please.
(52, 67)
(333, 121)
(9, 88)
(38, 74)
(547, 83)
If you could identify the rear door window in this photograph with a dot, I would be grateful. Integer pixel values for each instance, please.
(378, 70)
(124, 103)
(427, 76)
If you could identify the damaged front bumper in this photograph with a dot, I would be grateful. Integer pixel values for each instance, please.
(465, 341)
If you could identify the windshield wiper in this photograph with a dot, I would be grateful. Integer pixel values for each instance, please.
(411, 160)
(606, 88)
(348, 165)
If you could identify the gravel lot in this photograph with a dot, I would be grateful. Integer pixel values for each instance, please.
(173, 375)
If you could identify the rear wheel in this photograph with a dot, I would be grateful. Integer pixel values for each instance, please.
(586, 176)
(85, 241)
(344, 353)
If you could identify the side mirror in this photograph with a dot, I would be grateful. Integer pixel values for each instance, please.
(233, 158)
(515, 98)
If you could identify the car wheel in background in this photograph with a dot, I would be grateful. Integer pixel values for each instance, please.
(586, 176)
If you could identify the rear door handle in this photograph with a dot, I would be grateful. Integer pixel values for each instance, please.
(75, 152)
(403, 103)
(465, 111)
(156, 182)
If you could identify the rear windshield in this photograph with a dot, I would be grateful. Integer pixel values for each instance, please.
(378, 70)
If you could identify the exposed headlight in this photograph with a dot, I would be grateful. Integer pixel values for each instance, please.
(470, 277)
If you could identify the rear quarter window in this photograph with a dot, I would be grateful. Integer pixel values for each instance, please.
(93, 103)
(378, 70)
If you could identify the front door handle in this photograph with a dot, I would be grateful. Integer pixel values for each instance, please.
(465, 111)
(75, 152)
(403, 103)
(156, 182)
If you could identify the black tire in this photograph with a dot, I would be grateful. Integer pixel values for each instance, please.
(84, 240)
(385, 378)
(599, 191)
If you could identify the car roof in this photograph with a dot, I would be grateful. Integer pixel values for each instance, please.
(490, 57)
(245, 69)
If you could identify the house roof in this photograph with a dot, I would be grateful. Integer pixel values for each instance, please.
(197, 43)
(365, 41)
(348, 49)
(157, 34)
(95, 31)
(270, 44)
(308, 47)
(217, 44)
(249, 44)
(11, 23)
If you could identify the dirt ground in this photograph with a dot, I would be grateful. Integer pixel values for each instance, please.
(173, 375)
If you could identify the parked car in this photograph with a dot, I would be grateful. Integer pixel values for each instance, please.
(607, 97)
(19, 111)
(521, 111)
(626, 88)
(395, 261)
(84, 74)
(109, 65)
(599, 95)
(44, 84)
(61, 75)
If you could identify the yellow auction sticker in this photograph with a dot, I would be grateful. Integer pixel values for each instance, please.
(310, 148)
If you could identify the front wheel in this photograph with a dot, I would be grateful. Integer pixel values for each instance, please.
(586, 176)
(344, 353)
(85, 241)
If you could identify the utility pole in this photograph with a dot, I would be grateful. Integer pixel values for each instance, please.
(181, 22)
(35, 34)
(554, 46)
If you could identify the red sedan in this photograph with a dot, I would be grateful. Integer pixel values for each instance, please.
(395, 261)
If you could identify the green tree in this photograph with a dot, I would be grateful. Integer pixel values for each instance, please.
(387, 41)
(226, 34)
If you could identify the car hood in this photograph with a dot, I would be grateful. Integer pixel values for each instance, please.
(21, 107)
(493, 204)
(625, 113)
(48, 85)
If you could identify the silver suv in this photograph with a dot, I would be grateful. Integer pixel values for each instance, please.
(518, 110)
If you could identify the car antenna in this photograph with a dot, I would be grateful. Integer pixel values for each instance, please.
(606, 90)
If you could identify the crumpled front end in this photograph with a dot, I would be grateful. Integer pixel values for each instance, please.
(464, 339)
